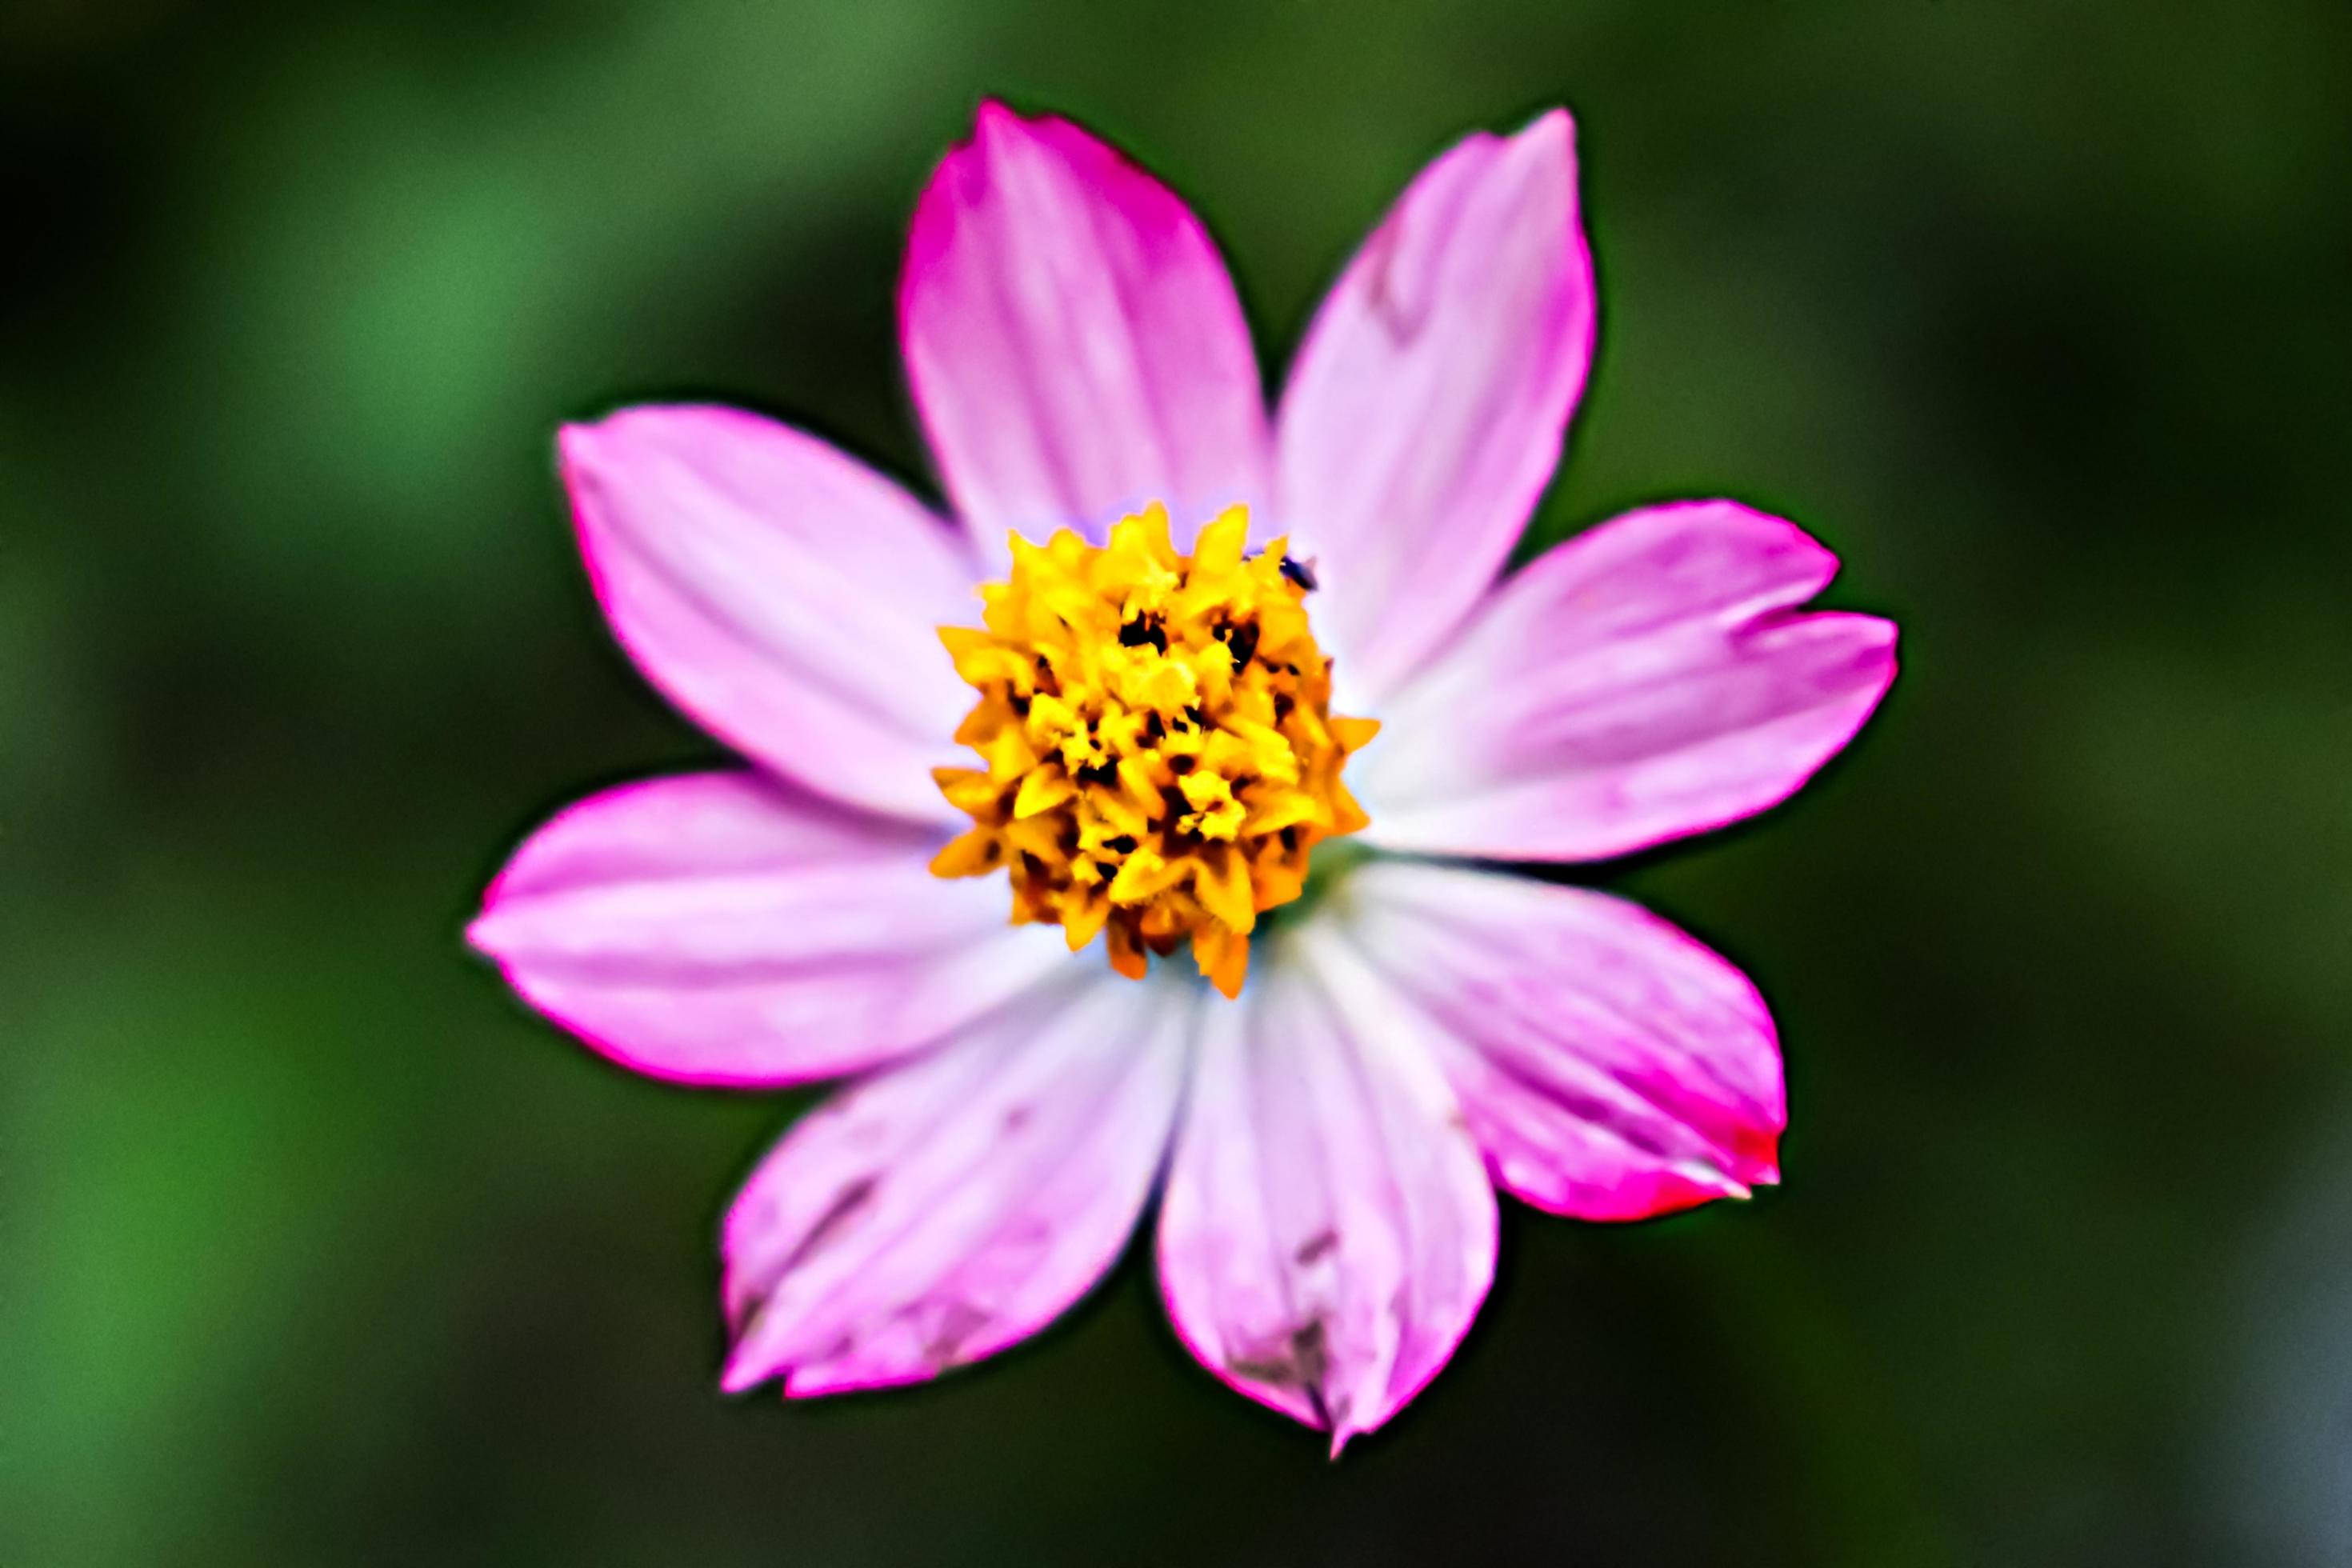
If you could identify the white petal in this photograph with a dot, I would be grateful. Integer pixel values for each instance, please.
(1328, 1232)
(946, 1209)
(729, 929)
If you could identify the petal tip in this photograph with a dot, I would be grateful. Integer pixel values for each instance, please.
(995, 113)
(740, 1375)
(574, 442)
(998, 130)
(476, 933)
(1553, 124)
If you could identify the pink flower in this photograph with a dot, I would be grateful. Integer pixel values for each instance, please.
(1419, 1028)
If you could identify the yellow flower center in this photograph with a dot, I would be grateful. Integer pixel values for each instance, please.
(1160, 753)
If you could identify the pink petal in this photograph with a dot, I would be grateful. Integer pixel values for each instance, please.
(783, 594)
(1426, 410)
(1328, 1232)
(1643, 680)
(1611, 1066)
(947, 1209)
(1073, 341)
(725, 929)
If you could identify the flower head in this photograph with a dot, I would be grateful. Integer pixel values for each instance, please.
(1115, 699)
(1160, 752)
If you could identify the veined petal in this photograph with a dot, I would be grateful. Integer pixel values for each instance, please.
(1074, 343)
(1328, 1231)
(1643, 680)
(782, 594)
(944, 1210)
(1425, 413)
(1611, 1066)
(725, 928)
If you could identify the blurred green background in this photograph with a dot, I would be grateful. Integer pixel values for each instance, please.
(314, 1248)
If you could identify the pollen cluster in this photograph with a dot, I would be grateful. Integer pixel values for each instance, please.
(1159, 750)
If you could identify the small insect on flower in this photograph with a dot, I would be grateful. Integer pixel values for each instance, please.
(1248, 700)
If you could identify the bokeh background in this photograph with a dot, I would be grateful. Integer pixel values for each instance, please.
(314, 1248)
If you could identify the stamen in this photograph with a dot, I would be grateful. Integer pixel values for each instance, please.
(1159, 754)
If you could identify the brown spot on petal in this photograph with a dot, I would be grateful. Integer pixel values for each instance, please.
(853, 1197)
(1308, 1352)
(957, 1325)
(1301, 1362)
(1317, 1246)
(1382, 295)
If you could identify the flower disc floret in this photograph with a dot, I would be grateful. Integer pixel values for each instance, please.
(1160, 757)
